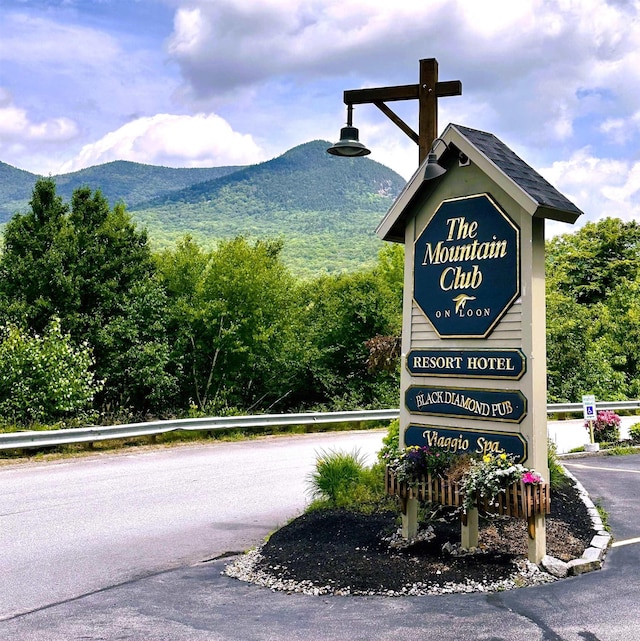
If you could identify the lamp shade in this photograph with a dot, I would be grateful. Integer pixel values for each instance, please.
(349, 145)
(433, 169)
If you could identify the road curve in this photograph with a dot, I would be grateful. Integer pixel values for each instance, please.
(76, 526)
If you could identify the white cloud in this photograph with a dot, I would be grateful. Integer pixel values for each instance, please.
(179, 141)
(546, 76)
(540, 64)
(39, 40)
(16, 126)
(600, 187)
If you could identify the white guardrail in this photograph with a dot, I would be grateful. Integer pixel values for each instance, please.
(53, 438)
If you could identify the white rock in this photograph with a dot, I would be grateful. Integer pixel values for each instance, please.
(554, 566)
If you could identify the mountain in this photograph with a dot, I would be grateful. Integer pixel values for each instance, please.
(325, 208)
(120, 180)
(15, 190)
(134, 183)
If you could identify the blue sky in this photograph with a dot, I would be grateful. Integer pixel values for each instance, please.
(187, 83)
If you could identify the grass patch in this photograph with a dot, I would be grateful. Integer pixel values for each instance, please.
(604, 516)
(557, 477)
(623, 450)
(342, 480)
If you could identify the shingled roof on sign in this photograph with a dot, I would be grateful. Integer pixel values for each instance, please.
(539, 197)
(518, 170)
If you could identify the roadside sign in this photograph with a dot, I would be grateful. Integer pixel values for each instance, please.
(589, 407)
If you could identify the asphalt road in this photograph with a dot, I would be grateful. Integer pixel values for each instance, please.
(194, 602)
(76, 526)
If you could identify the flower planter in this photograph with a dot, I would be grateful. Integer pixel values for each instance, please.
(522, 500)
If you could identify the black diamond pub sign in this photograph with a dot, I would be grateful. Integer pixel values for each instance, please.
(467, 267)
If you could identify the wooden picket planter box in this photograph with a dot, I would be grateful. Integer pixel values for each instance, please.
(522, 500)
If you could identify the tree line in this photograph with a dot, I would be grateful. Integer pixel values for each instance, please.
(90, 314)
(96, 326)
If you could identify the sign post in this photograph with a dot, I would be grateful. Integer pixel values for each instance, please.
(589, 412)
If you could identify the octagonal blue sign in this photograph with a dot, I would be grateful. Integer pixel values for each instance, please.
(467, 267)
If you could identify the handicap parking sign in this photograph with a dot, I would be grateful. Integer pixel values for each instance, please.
(589, 407)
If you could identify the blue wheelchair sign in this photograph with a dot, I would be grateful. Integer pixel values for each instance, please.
(589, 407)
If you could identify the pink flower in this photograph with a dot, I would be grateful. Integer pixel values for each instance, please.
(531, 478)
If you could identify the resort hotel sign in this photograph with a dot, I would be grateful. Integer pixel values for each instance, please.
(467, 267)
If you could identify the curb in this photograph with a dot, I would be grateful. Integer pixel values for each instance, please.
(593, 556)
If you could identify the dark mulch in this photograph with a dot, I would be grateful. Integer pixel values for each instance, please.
(343, 549)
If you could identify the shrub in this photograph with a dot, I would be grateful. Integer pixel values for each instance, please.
(43, 378)
(390, 443)
(634, 433)
(606, 427)
(335, 475)
(557, 478)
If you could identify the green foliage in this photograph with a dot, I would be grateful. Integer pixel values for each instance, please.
(340, 314)
(91, 268)
(622, 450)
(557, 477)
(634, 432)
(342, 480)
(593, 317)
(325, 207)
(588, 264)
(15, 188)
(233, 324)
(390, 442)
(119, 181)
(44, 378)
(226, 326)
(336, 474)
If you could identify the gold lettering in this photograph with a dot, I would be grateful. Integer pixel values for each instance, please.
(455, 278)
(485, 446)
(461, 229)
(442, 254)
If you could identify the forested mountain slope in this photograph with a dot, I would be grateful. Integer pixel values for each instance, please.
(129, 182)
(325, 209)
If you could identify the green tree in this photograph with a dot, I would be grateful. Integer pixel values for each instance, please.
(44, 378)
(582, 357)
(35, 280)
(233, 323)
(623, 308)
(91, 267)
(341, 314)
(588, 264)
(592, 298)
